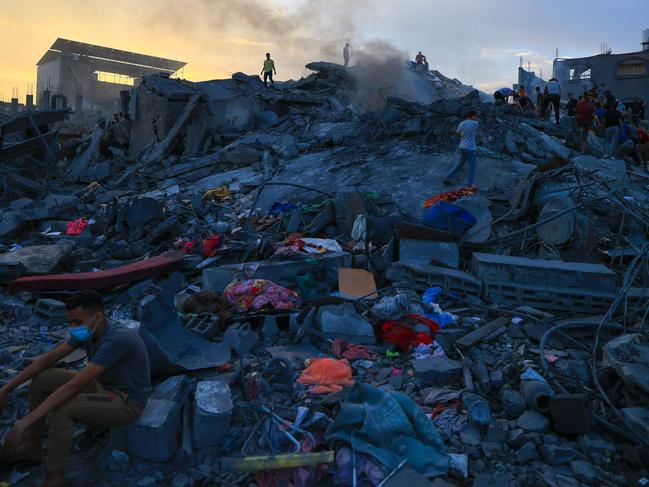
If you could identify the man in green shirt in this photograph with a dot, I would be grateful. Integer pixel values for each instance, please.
(267, 71)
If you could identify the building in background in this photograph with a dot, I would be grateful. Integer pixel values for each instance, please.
(626, 75)
(86, 77)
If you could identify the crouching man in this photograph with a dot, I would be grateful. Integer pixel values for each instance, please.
(110, 391)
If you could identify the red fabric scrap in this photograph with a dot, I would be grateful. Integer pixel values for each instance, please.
(343, 349)
(211, 245)
(188, 246)
(440, 407)
(75, 227)
(450, 196)
(402, 334)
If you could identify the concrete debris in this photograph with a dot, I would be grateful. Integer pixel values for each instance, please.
(509, 334)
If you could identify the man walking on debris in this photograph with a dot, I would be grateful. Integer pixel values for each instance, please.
(553, 98)
(110, 391)
(267, 71)
(467, 131)
(346, 54)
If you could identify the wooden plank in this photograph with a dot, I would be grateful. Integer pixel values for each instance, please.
(476, 336)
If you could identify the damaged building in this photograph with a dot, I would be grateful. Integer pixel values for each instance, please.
(87, 77)
(318, 304)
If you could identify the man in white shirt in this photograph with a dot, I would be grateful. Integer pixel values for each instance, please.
(467, 132)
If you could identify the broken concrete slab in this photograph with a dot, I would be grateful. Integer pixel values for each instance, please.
(438, 370)
(154, 436)
(342, 321)
(37, 259)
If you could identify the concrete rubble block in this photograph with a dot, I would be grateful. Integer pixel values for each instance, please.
(212, 413)
(638, 419)
(422, 277)
(533, 422)
(491, 480)
(498, 432)
(37, 259)
(592, 443)
(607, 169)
(627, 355)
(476, 336)
(174, 388)
(550, 273)
(587, 472)
(537, 394)
(242, 156)
(155, 435)
(557, 455)
(560, 229)
(513, 403)
(526, 453)
(425, 252)
(50, 312)
(342, 321)
(143, 211)
(439, 370)
(217, 279)
(571, 413)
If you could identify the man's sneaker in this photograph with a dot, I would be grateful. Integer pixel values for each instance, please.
(19, 457)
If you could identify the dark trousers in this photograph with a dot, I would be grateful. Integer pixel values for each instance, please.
(268, 75)
(555, 101)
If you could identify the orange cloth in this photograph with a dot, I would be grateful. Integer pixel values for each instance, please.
(326, 375)
(450, 196)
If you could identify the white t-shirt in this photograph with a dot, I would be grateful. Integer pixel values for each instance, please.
(468, 130)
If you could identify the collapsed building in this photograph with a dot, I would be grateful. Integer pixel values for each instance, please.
(317, 305)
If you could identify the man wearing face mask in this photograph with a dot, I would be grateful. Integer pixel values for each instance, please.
(110, 391)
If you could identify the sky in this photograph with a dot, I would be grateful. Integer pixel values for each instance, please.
(476, 41)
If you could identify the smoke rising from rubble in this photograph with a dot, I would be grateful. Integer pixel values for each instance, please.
(379, 67)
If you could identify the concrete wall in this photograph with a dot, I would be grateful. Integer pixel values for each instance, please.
(604, 69)
(49, 71)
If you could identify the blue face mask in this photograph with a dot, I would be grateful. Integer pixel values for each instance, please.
(82, 333)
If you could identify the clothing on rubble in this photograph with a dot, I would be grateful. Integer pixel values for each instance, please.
(343, 349)
(221, 193)
(326, 375)
(450, 196)
(257, 294)
(75, 227)
(403, 333)
(389, 427)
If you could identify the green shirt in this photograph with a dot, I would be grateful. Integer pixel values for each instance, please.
(269, 65)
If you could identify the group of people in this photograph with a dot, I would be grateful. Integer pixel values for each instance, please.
(549, 98)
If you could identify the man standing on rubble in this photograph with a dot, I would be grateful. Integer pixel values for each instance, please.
(110, 391)
(553, 98)
(346, 54)
(467, 131)
(268, 69)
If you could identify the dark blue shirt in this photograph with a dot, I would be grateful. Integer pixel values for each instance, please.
(123, 353)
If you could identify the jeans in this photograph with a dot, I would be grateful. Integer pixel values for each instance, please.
(466, 156)
(268, 75)
(611, 136)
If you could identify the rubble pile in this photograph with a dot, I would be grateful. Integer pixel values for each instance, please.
(318, 308)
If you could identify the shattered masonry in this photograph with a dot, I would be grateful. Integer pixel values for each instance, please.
(304, 327)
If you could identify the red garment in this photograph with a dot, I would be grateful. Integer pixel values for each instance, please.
(211, 245)
(450, 196)
(644, 136)
(257, 294)
(75, 227)
(402, 333)
(343, 349)
(585, 112)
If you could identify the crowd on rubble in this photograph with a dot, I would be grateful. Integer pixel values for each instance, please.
(274, 312)
(596, 111)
